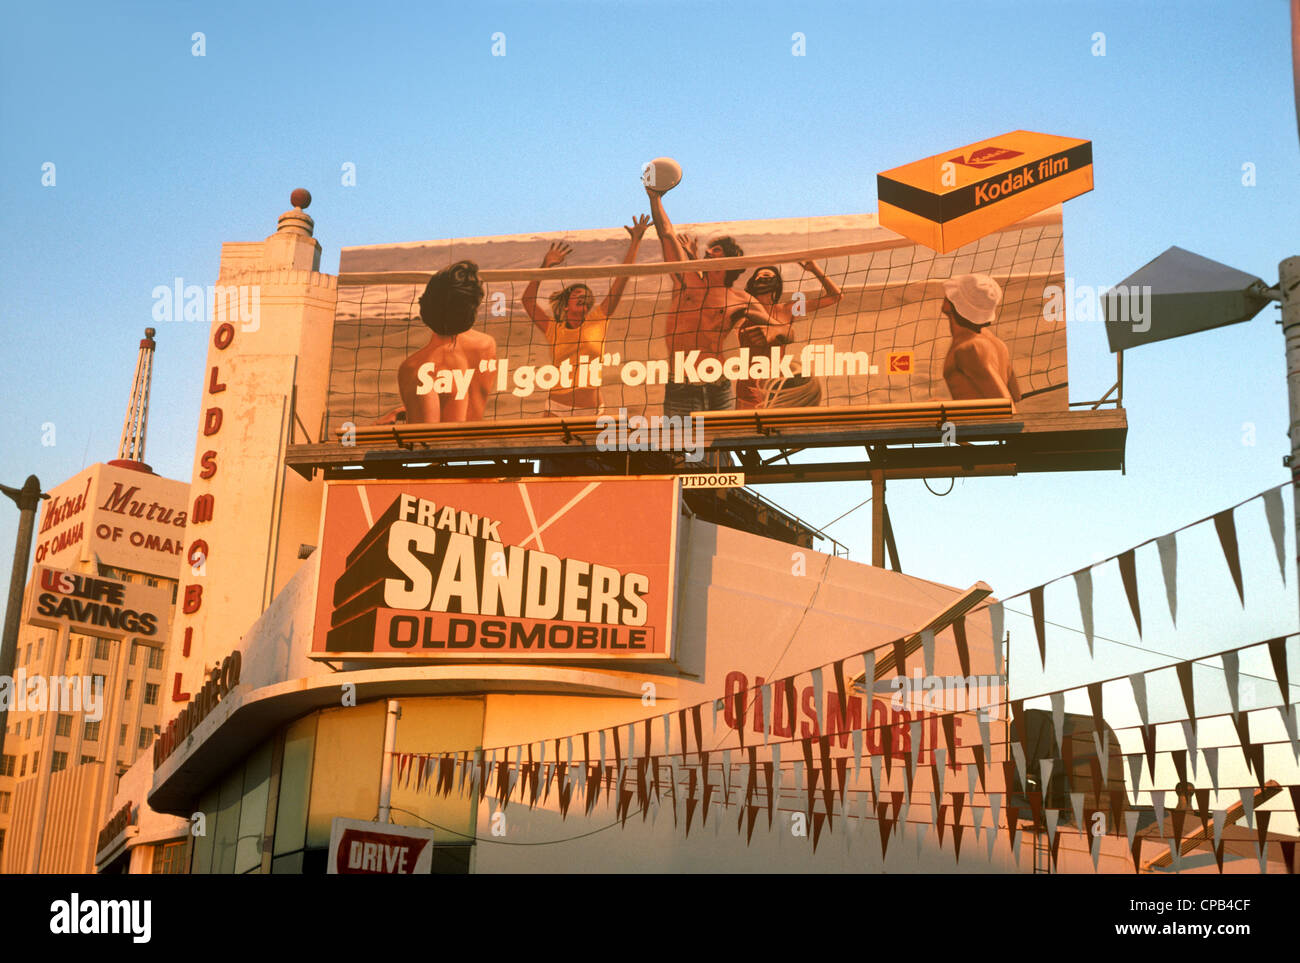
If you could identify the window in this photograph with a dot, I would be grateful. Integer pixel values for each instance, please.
(40, 725)
(130, 683)
(4, 803)
(63, 725)
(27, 657)
(170, 857)
(28, 733)
(79, 641)
(60, 762)
(135, 650)
(97, 681)
(90, 732)
(146, 737)
(86, 759)
(6, 765)
(121, 737)
(2, 840)
(101, 648)
(40, 644)
(151, 694)
(22, 768)
(36, 761)
(155, 658)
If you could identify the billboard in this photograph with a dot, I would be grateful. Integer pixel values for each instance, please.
(572, 569)
(98, 606)
(122, 517)
(366, 848)
(797, 314)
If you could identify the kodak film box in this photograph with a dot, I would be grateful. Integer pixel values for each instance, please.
(961, 195)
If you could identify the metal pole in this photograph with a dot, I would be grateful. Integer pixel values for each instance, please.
(1288, 273)
(878, 517)
(386, 772)
(27, 498)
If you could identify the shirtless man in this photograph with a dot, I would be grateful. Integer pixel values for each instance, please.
(978, 364)
(704, 310)
(442, 381)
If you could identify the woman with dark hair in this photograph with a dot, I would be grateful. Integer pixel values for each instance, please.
(574, 327)
(766, 287)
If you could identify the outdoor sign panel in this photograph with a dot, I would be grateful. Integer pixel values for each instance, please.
(816, 313)
(93, 605)
(570, 569)
(358, 847)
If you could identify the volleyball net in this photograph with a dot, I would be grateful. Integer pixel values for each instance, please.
(857, 321)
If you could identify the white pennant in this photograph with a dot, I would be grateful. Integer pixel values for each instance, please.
(1135, 769)
(1139, 683)
(1219, 817)
(1189, 734)
(857, 753)
(1168, 547)
(817, 698)
(602, 753)
(1057, 700)
(996, 630)
(1248, 805)
(1131, 825)
(934, 808)
(916, 748)
(1076, 801)
(920, 838)
(1096, 852)
(927, 650)
(765, 708)
(798, 776)
(1261, 856)
(1289, 721)
(1053, 817)
(568, 751)
(940, 757)
(1158, 804)
(869, 679)
(977, 813)
(1083, 585)
(995, 804)
(630, 754)
(1018, 753)
(1015, 845)
(1045, 766)
(992, 841)
(983, 720)
(1232, 678)
(971, 776)
(668, 736)
(1273, 510)
(1212, 764)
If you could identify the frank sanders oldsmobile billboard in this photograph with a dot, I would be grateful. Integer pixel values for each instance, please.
(814, 313)
(574, 569)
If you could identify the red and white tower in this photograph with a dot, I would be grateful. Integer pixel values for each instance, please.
(130, 452)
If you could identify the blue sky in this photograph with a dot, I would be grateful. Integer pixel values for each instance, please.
(161, 156)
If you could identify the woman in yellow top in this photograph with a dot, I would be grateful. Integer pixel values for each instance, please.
(574, 327)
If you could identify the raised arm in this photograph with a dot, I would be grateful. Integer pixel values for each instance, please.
(637, 231)
(672, 245)
(554, 257)
(831, 292)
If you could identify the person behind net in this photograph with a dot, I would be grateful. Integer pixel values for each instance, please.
(777, 330)
(573, 327)
(978, 363)
(703, 312)
(443, 381)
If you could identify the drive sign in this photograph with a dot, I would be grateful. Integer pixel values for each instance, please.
(358, 847)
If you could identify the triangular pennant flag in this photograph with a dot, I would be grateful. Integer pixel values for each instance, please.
(940, 758)
(1096, 852)
(1083, 586)
(1168, 548)
(1227, 529)
(1184, 670)
(1277, 652)
(1292, 731)
(817, 820)
(995, 804)
(1134, 769)
(886, 825)
(1255, 757)
(1248, 805)
(997, 633)
(1016, 836)
(970, 781)
(1128, 574)
(1288, 856)
(949, 723)
(963, 648)
(1094, 699)
(978, 753)
(1139, 683)
(1013, 818)
(1076, 803)
(875, 776)
(1212, 764)
(857, 753)
(1101, 743)
(1130, 825)
(1136, 848)
(900, 657)
(927, 650)
(841, 692)
(818, 701)
(1149, 742)
(1189, 734)
(1231, 678)
(1158, 805)
(1040, 626)
(1045, 765)
(1057, 701)
(1053, 817)
(1273, 511)
(1219, 817)
(1018, 754)
(869, 679)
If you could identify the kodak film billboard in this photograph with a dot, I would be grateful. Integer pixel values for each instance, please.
(570, 569)
(794, 314)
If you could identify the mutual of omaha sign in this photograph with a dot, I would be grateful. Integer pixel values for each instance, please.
(98, 606)
(571, 569)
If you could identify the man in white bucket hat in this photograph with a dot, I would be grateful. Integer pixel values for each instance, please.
(978, 364)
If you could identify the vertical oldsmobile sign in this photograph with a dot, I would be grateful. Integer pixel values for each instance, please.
(573, 569)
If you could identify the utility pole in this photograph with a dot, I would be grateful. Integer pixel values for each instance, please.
(27, 498)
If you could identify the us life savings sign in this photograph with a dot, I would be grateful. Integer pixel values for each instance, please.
(373, 849)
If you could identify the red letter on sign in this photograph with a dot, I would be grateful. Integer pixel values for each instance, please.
(177, 694)
(193, 599)
(213, 386)
(189, 637)
(198, 552)
(212, 421)
(209, 463)
(203, 506)
(223, 336)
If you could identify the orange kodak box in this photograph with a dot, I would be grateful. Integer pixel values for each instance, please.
(961, 195)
